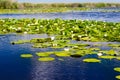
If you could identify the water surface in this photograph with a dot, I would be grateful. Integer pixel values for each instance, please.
(12, 67)
(101, 16)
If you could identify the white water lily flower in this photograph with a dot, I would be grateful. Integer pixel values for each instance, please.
(11, 27)
(105, 35)
(99, 54)
(79, 36)
(54, 44)
(66, 49)
(41, 26)
(52, 37)
(4, 30)
(25, 32)
(28, 25)
(19, 28)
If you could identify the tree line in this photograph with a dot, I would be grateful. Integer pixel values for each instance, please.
(13, 4)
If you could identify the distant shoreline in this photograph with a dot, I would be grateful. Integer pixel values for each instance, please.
(7, 7)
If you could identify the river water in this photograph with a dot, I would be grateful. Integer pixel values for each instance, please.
(13, 67)
(101, 16)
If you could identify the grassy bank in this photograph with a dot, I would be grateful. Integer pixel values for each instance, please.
(40, 10)
(7, 7)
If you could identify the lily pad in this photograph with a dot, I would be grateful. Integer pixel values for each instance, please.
(26, 55)
(20, 42)
(114, 45)
(43, 54)
(117, 69)
(62, 54)
(46, 59)
(118, 58)
(91, 60)
(111, 52)
(118, 77)
(107, 57)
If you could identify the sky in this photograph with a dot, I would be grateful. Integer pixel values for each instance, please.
(69, 1)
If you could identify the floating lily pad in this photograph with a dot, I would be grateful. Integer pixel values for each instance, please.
(62, 54)
(118, 58)
(26, 55)
(111, 52)
(118, 76)
(96, 49)
(43, 54)
(107, 57)
(46, 59)
(91, 60)
(20, 42)
(117, 69)
(114, 45)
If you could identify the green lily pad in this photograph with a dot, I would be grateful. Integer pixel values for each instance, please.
(26, 55)
(117, 77)
(97, 49)
(62, 54)
(107, 57)
(117, 69)
(46, 59)
(43, 54)
(91, 60)
(111, 52)
(118, 58)
(114, 45)
(20, 42)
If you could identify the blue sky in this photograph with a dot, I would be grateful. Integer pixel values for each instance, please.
(68, 1)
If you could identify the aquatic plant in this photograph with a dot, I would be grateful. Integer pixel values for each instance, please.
(117, 77)
(20, 42)
(46, 59)
(78, 30)
(26, 55)
(62, 53)
(91, 60)
(107, 57)
(44, 54)
(114, 45)
(117, 69)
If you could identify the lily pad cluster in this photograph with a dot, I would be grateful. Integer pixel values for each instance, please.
(68, 29)
(69, 49)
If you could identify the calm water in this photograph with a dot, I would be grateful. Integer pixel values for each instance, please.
(12, 67)
(101, 16)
